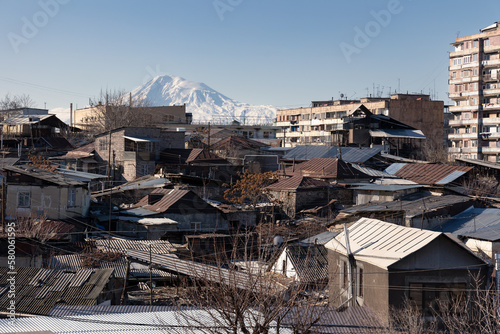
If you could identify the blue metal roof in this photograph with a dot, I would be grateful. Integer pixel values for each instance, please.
(451, 177)
(349, 154)
(394, 168)
(475, 223)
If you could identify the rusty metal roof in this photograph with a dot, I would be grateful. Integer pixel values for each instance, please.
(169, 198)
(298, 182)
(326, 168)
(431, 174)
(237, 142)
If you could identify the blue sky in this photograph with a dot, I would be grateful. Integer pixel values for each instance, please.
(284, 53)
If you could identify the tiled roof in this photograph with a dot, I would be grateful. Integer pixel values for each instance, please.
(38, 290)
(326, 168)
(237, 142)
(432, 174)
(298, 182)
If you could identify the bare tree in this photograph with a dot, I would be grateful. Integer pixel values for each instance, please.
(16, 101)
(115, 109)
(238, 295)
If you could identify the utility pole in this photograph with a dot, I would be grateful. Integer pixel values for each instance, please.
(150, 277)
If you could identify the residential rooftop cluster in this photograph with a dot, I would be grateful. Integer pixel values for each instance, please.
(348, 216)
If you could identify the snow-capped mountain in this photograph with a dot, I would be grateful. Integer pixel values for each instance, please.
(205, 103)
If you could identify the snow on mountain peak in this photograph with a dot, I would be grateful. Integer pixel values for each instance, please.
(205, 103)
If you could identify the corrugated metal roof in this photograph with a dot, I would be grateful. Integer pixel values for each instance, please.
(394, 168)
(380, 243)
(298, 182)
(203, 271)
(352, 320)
(170, 197)
(483, 163)
(412, 207)
(50, 287)
(326, 168)
(451, 177)
(122, 245)
(349, 154)
(45, 175)
(397, 133)
(388, 187)
(428, 173)
(483, 224)
(320, 239)
(310, 262)
(158, 322)
(74, 262)
(27, 119)
(80, 176)
(77, 310)
(373, 172)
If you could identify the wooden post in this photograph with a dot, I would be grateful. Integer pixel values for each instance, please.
(122, 299)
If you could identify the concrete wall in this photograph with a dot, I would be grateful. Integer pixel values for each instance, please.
(284, 266)
(50, 202)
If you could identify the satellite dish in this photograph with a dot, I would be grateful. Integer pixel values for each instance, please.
(341, 95)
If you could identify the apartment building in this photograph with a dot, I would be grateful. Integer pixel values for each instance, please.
(474, 86)
(321, 123)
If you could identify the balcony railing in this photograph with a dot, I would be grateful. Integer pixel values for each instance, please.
(460, 122)
(463, 135)
(491, 121)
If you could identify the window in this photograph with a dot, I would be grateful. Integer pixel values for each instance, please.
(486, 42)
(71, 197)
(144, 170)
(467, 59)
(345, 278)
(196, 226)
(23, 199)
(453, 75)
(103, 144)
(474, 57)
(474, 71)
(360, 282)
(475, 44)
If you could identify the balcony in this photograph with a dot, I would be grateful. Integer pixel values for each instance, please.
(491, 121)
(490, 150)
(487, 92)
(463, 80)
(469, 149)
(454, 150)
(491, 136)
(490, 106)
(465, 52)
(134, 156)
(463, 136)
(463, 108)
(460, 122)
(464, 94)
(488, 63)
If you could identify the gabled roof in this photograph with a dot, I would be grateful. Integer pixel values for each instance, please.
(30, 119)
(432, 174)
(190, 156)
(349, 154)
(85, 151)
(326, 168)
(237, 142)
(170, 198)
(483, 224)
(298, 182)
(380, 243)
(199, 155)
(45, 175)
